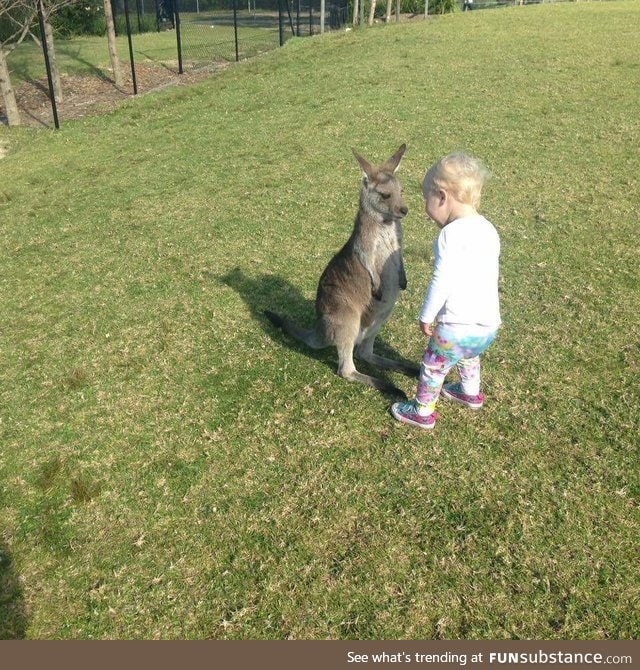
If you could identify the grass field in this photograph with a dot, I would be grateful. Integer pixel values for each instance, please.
(173, 467)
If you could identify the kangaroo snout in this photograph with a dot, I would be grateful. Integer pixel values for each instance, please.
(397, 214)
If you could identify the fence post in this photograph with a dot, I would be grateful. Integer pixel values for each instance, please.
(133, 65)
(176, 20)
(293, 31)
(47, 62)
(235, 27)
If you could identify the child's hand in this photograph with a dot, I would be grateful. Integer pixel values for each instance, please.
(426, 328)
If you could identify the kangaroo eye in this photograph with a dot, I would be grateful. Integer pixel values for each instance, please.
(385, 196)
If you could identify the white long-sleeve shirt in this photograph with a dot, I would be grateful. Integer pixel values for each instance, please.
(464, 286)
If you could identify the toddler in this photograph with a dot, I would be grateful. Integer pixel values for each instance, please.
(461, 311)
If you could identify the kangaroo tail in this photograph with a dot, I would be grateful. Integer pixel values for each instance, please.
(311, 337)
(276, 319)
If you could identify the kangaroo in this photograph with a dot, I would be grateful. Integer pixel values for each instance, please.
(359, 287)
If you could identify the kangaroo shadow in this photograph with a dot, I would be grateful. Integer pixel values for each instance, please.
(275, 293)
(13, 618)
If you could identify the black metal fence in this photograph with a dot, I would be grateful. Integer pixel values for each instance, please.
(210, 31)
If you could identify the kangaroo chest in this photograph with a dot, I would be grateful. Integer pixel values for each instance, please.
(388, 256)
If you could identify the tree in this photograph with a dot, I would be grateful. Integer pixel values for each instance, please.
(372, 11)
(6, 90)
(15, 27)
(113, 50)
(47, 9)
(18, 18)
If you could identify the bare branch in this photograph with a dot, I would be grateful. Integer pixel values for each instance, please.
(18, 15)
(22, 15)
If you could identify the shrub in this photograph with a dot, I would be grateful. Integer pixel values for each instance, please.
(82, 18)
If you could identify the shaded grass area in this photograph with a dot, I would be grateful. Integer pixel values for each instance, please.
(89, 55)
(172, 467)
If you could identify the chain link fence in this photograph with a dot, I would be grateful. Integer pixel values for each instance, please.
(211, 31)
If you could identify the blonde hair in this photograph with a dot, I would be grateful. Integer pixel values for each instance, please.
(459, 174)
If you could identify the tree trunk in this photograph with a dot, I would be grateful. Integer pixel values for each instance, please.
(113, 51)
(8, 96)
(387, 17)
(372, 11)
(355, 12)
(55, 73)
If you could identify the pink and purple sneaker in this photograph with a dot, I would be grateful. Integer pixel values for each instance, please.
(407, 412)
(454, 392)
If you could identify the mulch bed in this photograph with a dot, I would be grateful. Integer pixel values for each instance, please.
(88, 95)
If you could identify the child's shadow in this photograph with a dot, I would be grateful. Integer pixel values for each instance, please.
(275, 293)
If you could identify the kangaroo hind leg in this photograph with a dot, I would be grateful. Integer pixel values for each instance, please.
(366, 353)
(345, 345)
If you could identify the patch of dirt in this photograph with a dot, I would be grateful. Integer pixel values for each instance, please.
(88, 95)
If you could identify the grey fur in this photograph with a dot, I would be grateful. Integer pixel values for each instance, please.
(360, 286)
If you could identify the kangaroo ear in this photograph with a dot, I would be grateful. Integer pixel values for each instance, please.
(393, 163)
(367, 168)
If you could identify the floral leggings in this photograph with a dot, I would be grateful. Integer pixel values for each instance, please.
(452, 345)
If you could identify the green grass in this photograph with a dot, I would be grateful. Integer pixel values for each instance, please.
(173, 467)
